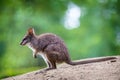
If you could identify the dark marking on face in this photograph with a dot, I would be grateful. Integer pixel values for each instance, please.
(26, 40)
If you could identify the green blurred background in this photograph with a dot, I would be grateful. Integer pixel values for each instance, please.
(90, 28)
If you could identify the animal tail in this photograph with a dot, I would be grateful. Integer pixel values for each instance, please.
(90, 61)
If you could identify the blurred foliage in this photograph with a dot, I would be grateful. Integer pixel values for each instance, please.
(97, 35)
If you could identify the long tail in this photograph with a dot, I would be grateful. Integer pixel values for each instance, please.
(90, 61)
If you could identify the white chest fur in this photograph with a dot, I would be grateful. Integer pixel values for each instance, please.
(31, 47)
(40, 53)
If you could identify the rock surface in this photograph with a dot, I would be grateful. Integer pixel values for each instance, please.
(107, 70)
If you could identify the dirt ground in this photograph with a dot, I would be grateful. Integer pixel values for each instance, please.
(107, 70)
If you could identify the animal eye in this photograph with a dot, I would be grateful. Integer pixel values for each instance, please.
(25, 38)
(28, 38)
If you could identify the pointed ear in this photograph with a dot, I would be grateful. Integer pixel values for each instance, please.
(31, 31)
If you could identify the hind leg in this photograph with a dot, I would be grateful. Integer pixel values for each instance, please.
(51, 62)
(51, 65)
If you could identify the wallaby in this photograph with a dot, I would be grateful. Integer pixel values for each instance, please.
(52, 48)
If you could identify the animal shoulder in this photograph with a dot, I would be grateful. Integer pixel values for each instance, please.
(49, 36)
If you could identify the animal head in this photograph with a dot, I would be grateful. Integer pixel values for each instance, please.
(28, 37)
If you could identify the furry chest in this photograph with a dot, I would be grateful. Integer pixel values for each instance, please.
(33, 49)
(43, 55)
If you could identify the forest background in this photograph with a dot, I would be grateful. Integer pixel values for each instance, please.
(90, 28)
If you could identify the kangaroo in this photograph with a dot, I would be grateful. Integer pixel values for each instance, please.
(52, 48)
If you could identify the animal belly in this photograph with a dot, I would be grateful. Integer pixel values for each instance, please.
(44, 57)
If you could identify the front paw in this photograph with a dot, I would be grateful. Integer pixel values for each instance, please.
(34, 56)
